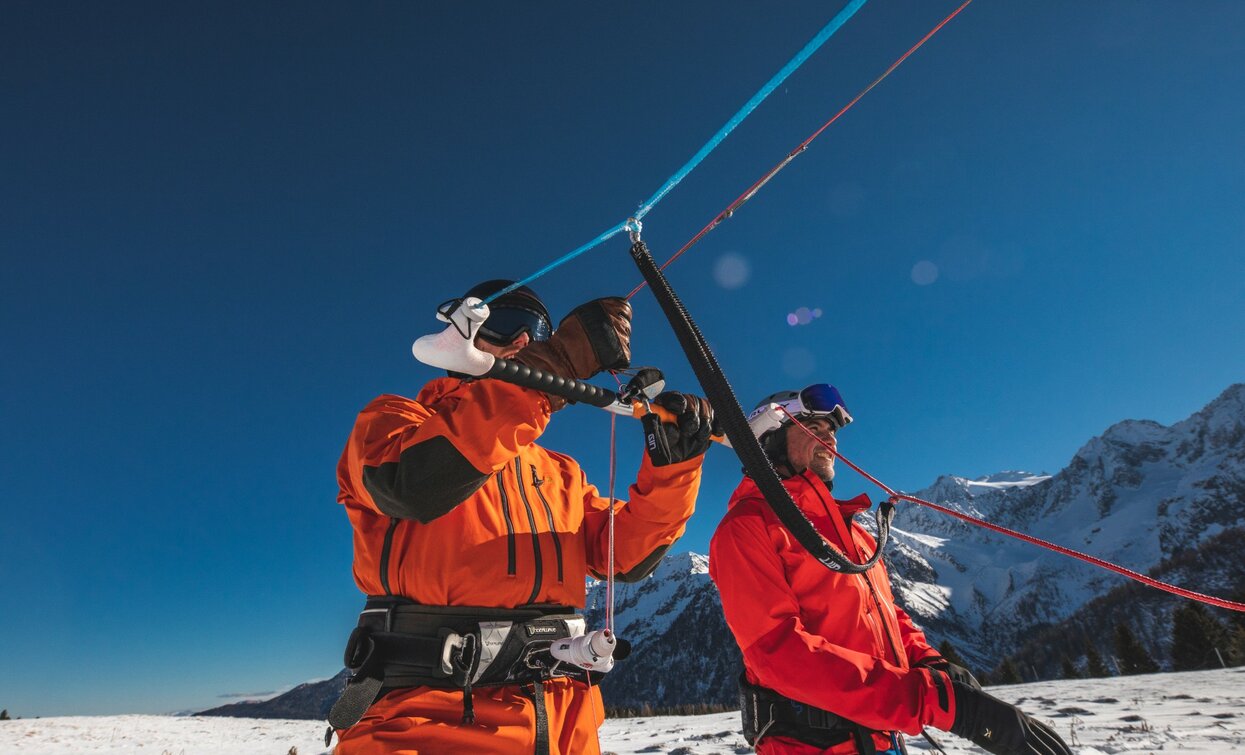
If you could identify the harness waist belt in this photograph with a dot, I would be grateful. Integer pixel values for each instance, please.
(767, 713)
(399, 644)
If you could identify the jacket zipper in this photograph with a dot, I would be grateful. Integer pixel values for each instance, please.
(882, 616)
(384, 554)
(531, 520)
(553, 530)
(505, 510)
(865, 576)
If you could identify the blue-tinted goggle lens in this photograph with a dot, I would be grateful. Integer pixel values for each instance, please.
(821, 398)
(504, 324)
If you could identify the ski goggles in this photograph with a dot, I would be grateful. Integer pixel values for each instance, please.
(819, 401)
(507, 322)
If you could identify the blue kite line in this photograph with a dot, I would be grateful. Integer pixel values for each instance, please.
(560, 260)
(828, 31)
(835, 24)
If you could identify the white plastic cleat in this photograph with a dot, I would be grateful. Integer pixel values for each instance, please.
(763, 419)
(454, 348)
(593, 651)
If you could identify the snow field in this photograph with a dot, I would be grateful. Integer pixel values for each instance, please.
(1192, 713)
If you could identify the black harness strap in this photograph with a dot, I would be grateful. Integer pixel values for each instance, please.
(728, 411)
(537, 692)
(767, 713)
(358, 696)
(367, 655)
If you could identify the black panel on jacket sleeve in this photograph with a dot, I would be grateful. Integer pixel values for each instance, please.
(428, 480)
(645, 567)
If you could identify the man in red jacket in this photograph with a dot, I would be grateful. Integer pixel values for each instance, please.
(472, 543)
(832, 664)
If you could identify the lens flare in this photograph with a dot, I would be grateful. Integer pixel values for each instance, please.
(798, 362)
(803, 316)
(924, 273)
(732, 271)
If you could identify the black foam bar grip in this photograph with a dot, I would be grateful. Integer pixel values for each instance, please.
(547, 382)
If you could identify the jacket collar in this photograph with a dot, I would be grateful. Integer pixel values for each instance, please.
(807, 490)
(439, 391)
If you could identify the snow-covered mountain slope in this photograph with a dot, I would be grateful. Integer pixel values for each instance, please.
(311, 700)
(1195, 713)
(683, 653)
(1136, 495)
(1215, 568)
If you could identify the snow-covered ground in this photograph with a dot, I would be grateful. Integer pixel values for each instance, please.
(1194, 713)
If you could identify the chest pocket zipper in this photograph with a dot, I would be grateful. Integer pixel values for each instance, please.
(553, 530)
(877, 602)
(531, 520)
(385, 553)
(505, 512)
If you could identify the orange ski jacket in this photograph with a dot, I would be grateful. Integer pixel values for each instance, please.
(832, 640)
(453, 503)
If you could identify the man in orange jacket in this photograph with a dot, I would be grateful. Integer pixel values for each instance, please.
(472, 544)
(832, 664)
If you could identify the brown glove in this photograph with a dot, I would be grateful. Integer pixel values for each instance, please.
(595, 336)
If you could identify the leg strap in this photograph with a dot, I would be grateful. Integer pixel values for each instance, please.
(537, 692)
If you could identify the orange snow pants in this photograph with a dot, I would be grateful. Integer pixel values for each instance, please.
(427, 721)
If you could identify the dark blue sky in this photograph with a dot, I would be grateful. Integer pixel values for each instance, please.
(223, 224)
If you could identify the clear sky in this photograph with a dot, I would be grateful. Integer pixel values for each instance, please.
(223, 224)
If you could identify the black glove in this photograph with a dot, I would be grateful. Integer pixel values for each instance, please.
(1000, 728)
(956, 672)
(687, 437)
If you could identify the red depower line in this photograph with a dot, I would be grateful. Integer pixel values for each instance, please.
(896, 496)
(754, 188)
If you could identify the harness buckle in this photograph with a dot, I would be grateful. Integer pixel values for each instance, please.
(359, 649)
(451, 649)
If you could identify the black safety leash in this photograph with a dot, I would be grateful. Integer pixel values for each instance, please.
(730, 414)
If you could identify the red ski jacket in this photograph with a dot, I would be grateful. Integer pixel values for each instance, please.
(832, 640)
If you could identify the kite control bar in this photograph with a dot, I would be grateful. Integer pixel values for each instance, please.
(454, 349)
